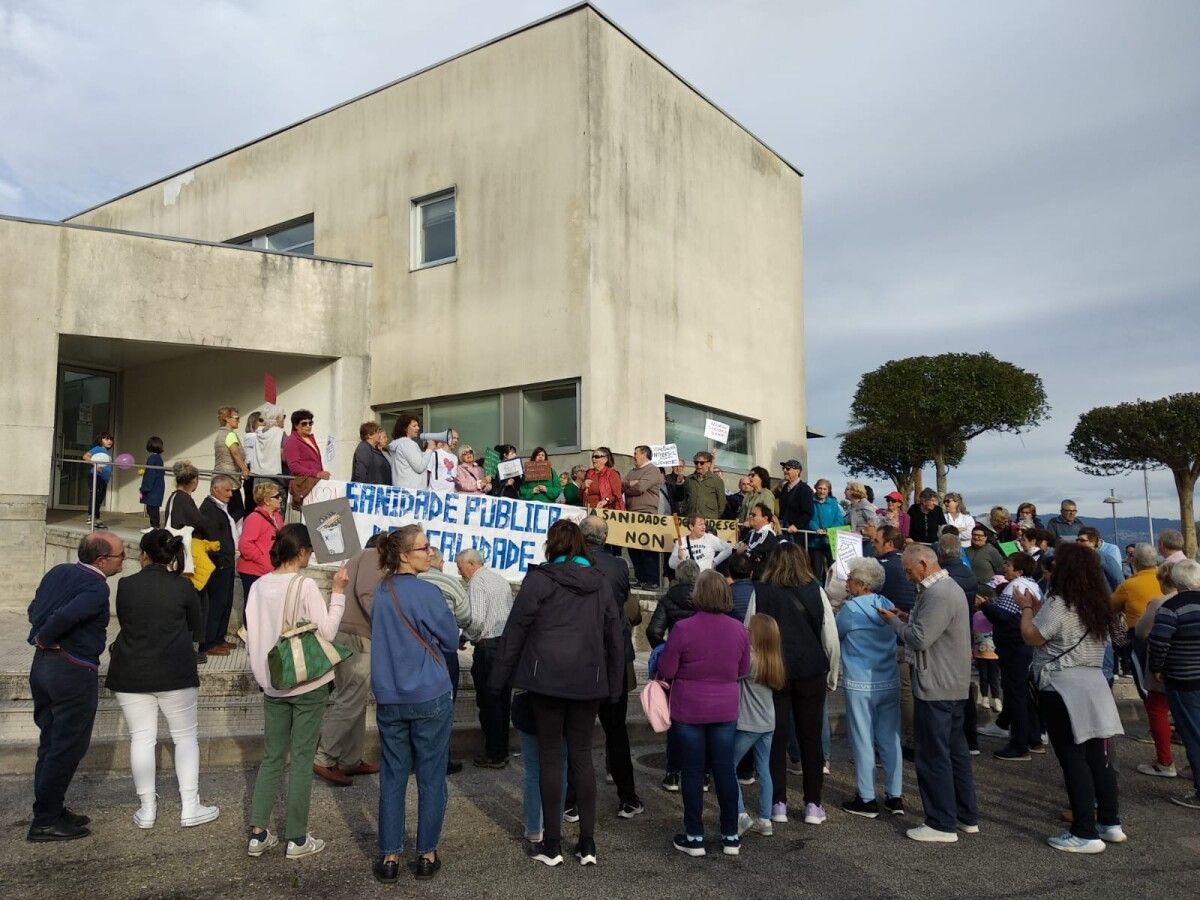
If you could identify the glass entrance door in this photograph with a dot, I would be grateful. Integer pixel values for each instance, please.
(85, 408)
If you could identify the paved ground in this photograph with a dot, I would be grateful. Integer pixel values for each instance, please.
(847, 857)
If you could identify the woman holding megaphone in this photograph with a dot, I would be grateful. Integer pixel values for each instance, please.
(409, 460)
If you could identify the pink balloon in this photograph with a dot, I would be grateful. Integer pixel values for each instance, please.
(124, 461)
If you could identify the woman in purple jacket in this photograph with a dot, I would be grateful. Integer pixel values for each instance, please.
(703, 659)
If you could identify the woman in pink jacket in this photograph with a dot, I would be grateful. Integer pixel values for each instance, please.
(258, 534)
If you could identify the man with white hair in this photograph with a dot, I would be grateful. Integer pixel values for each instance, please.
(1174, 659)
(1170, 546)
(491, 600)
(938, 635)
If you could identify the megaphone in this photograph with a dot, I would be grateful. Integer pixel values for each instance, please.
(442, 437)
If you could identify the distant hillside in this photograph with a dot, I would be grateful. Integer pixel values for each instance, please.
(1130, 529)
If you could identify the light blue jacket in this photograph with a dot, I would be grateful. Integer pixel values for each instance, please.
(868, 645)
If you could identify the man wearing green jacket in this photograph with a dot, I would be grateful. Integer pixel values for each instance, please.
(704, 492)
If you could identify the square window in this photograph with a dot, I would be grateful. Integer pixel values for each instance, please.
(476, 419)
(685, 429)
(434, 239)
(550, 417)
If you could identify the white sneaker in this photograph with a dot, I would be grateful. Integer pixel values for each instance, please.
(992, 730)
(259, 846)
(310, 846)
(147, 812)
(986, 702)
(932, 835)
(968, 829)
(745, 823)
(1069, 843)
(199, 815)
(763, 827)
(998, 705)
(1158, 769)
(1112, 834)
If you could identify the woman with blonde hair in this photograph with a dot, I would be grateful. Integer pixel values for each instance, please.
(756, 716)
(469, 477)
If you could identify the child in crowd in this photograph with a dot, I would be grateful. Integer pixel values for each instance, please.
(102, 452)
(987, 663)
(153, 480)
(756, 716)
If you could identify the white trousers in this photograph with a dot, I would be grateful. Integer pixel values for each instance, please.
(141, 716)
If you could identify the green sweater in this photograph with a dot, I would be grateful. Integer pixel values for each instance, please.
(551, 485)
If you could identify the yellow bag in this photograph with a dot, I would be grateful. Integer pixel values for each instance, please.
(203, 565)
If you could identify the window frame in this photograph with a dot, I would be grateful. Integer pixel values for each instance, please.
(253, 239)
(416, 229)
(711, 413)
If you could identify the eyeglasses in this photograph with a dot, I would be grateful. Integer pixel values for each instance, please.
(305, 422)
(120, 555)
(599, 456)
(699, 462)
(424, 548)
(274, 497)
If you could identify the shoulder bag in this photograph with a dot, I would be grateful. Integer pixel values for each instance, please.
(656, 706)
(301, 654)
(189, 563)
(441, 660)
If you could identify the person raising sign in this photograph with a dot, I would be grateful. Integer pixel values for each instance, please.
(707, 550)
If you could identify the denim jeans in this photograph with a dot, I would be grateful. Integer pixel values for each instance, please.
(1185, 707)
(873, 720)
(943, 764)
(64, 708)
(416, 736)
(760, 744)
(531, 784)
(707, 746)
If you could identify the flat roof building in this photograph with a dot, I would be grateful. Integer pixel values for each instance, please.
(568, 246)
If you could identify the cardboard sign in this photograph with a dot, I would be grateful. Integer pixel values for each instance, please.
(849, 548)
(509, 534)
(332, 530)
(509, 468)
(538, 471)
(650, 531)
(716, 431)
(664, 456)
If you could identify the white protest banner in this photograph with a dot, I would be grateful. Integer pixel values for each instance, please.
(849, 548)
(717, 431)
(509, 534)
(664, 455)
(510, 468)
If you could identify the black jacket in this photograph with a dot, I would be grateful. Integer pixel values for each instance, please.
(183, 512)
(563, 636)
(966, 580)
(159, 613)
(616, 573)
(799, 613)
(762, 552)
(370, 465)
(795, 505)
(925, 527)
(217, 528)
(673, 606)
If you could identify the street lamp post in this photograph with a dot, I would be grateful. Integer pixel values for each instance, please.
(1112, 501)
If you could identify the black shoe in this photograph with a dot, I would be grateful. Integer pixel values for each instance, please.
(74, 818)
(62, 830)
(629, 810)
(585, 852)
(670, 782)
(550, 856)
(860, 807)
(907, 753)
(486, 762)
(571, 814)
(386, 871)
(453, 767)
(894, 805)
(424, 869)
(1010, 755)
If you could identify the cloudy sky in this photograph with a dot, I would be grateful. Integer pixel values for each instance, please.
(1021, 177)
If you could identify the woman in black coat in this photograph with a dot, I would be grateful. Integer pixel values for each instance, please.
(153, 667)
(562, 643)
(675, 604)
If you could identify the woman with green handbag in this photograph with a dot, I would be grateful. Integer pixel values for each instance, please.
(281, 612)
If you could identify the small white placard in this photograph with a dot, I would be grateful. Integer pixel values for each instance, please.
(510, 468)
(849, 548)
(716, 431)
(664, 455)
(330, 450)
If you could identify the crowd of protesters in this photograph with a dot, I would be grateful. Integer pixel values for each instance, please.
(749, 638)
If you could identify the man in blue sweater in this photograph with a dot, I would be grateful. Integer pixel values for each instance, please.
(68, 619)
(1174, 659)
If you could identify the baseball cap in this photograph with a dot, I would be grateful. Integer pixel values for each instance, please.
(792, 464)
(894, 495)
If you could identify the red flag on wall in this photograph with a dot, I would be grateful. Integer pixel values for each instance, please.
(269, 387)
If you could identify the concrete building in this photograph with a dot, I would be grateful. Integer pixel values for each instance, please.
(568, 246)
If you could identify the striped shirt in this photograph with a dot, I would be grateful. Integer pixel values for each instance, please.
(1175, 641)
(1067, 642)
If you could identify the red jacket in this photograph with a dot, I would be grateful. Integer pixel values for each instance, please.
(258, 534)
(606, 485)
(302, 458)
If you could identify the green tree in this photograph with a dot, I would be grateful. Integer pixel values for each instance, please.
(1158, 434)
(949, 398)
(877, 451)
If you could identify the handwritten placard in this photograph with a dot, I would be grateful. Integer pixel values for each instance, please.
(849, 548)
(509, 468)
(538, 470)
(716, 431)
(664, 455)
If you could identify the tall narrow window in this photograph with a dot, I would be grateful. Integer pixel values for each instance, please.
(434, 239)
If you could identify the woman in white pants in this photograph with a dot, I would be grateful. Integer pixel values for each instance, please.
(153, 667)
